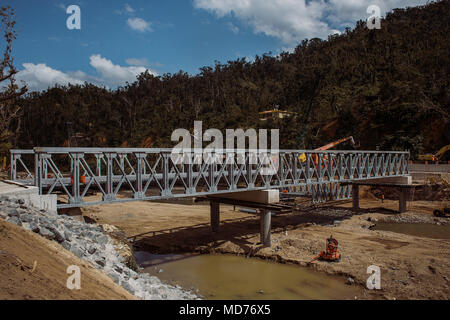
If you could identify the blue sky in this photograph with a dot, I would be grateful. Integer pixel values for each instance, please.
(119, 39)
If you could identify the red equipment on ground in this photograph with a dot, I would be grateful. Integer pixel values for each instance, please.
(332, 253)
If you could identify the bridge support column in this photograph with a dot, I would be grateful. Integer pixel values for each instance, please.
(404, 192)
(355, 196)
(215, 215)
(265, 225)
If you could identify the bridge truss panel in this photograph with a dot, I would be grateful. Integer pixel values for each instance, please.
(88, 176)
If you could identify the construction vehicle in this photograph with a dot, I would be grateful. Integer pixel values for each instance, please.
(335, 143)
(443, 212)
(328, 146)
(435, 157)
(147, 143)
(276, 113)
(331, 252)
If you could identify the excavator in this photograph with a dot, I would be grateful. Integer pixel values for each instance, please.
(328, 146)
(435, 157)
(147, 143)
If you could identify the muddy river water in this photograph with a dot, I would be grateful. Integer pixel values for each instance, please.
(238, 278)
(426, 230)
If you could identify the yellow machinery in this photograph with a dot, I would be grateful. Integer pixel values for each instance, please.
(442, 212)
(434, 157)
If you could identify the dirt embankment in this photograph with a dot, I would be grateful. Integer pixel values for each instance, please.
(431, 189)
(411, 267)
(32, 267)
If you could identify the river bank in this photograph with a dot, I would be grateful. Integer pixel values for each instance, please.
(411, 267)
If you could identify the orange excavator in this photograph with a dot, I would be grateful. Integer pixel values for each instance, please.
(332, 252)
(147, 143)
(328, 146)
(335, 143)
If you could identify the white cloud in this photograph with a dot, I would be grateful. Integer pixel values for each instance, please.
(61, 5)
(294, 20)
(137, 62)
(233, 28)
(40, 76)
(113, 74)
(139, 24)
(128, 8)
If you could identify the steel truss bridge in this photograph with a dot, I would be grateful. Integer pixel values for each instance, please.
(121, 175)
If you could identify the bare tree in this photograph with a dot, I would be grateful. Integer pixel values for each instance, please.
(9, 89)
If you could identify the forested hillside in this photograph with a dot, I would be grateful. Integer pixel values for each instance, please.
(387, 88)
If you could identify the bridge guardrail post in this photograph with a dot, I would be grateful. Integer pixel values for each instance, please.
(36, 169)
(190, 174)
(359, 165)
(294, 164)
(13, 166)
(39, 158)
(320, 168)
(249, 167)
(139, 194)
(76, 177)
(165, 175)
(98, 169)
(331, 171)
(109, 188)
(212, 169)
(231, 172)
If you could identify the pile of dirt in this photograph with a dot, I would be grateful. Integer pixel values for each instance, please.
(366, 192)
(32, 267)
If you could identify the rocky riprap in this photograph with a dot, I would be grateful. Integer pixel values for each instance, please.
(412, 217)
(89, 242)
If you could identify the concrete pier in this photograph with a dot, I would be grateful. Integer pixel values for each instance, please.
(265, 226)
(404, 193)
(215, 215)
(257, 196)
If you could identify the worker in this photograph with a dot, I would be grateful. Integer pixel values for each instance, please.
(382, 198)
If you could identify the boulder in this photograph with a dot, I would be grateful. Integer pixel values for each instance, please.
(15, 220)
(46, 233)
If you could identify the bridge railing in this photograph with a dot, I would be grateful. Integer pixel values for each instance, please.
(85, 176)
(22, 166)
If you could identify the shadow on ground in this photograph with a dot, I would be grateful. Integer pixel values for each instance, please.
(199, 238)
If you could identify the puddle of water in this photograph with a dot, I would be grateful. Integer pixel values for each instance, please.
(426, 230)
(231, 277)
